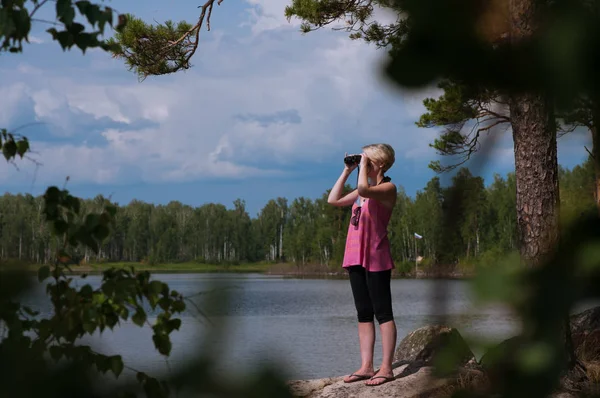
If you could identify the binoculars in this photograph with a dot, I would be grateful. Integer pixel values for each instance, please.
(351, 160)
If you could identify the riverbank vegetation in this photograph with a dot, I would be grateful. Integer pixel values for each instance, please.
(298, 236)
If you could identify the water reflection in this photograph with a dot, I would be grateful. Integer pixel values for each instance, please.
(308, 326)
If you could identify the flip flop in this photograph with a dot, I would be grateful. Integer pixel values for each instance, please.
(359, 377)
(387, 379)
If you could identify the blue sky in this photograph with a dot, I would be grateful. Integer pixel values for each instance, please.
(264, 112)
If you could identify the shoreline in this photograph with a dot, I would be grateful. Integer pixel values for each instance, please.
(286, 270)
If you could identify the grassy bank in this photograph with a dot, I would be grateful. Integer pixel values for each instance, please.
(281, 269)
(178, 267)
(400, 272)
(189, 267)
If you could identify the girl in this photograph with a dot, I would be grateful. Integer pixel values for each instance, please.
(368, 258)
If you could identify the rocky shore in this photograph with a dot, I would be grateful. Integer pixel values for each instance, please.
(414, 370)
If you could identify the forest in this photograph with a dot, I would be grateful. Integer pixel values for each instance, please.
(303, 231)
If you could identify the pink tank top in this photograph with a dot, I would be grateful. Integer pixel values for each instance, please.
(367, 243)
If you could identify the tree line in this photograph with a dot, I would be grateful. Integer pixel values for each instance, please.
(303, 231)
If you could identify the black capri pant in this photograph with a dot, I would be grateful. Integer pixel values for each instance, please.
(372, 294)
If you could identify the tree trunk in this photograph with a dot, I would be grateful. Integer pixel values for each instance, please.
(536, 172)
(468, 248)
(596, 155)
(281, 239)
(536, 163)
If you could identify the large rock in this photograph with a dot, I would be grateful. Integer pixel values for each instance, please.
(413, 371)
(307, 388)
(585, 332)
(495, 354)
(422, 383)
(586, 321)
(421, 346)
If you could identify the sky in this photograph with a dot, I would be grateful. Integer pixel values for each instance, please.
(264, 112)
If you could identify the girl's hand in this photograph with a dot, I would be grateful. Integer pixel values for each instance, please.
(349, 168)
(364, 161)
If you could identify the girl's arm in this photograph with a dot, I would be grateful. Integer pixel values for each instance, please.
(385, 193)
(335, 196)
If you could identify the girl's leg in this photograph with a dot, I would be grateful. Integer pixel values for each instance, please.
(366, 327)
(366, 337)
(379, 287)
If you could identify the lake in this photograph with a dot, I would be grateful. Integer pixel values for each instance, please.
(306, 326)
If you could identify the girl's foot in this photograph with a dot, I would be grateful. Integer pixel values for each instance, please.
(361, 374)
(380, 378)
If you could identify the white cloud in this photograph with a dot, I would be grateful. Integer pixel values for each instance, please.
(187, 126)
(36, 40)
(269, 15)
(97, 101)
(47, 105)
(12, 97)
(384, 15)
(28, 69)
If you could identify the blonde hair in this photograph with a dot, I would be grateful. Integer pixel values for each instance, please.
(383, 154)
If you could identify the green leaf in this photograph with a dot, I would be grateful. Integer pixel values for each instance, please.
(72, 203)
(56, 352)
(124, 313)
(9, 149)
(52, 195)
(499, 283)
(589, 256)
(61, 226)
(65, 11)
(153, 389)
(178, 306)
(43, 273)
(141, 377)
(84, 8)
(102, 363)
(89, 241)
(45, 329)
(53, 32)
(106, 16)
(139, 317)
(76, 29)
(156, 287)
(89, 327)
(111, 210)
(65, 39)
(86, 40)
(22, 147)
(122, 23)
(29, 311)
(101, 232)
(162, 343)
(108, 288)
(535, 358)
(86, 291)
(111, 320)
(116, 365)
(164, 303)
(173, 324)
(91, 221)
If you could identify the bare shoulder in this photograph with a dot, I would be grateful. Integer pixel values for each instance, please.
(391, 193)
(390, 186)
